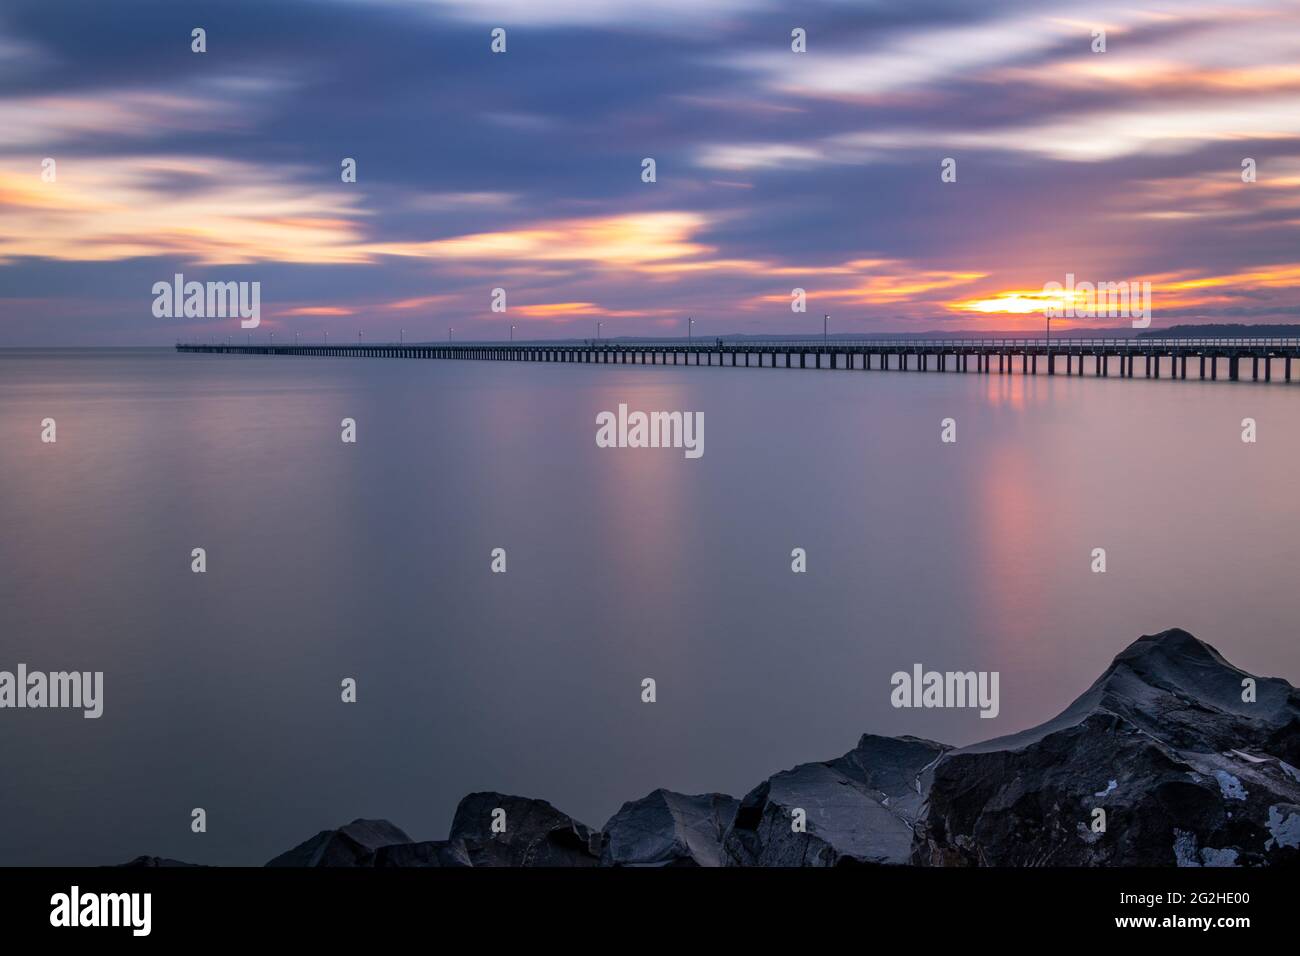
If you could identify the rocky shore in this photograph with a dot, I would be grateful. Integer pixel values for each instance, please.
(1173, 757)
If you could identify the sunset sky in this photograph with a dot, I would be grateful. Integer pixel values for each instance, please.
(523, 170)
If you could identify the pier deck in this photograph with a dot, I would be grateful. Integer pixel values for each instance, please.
(1237, 358)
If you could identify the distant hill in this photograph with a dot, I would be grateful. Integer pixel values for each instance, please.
(1225, 330)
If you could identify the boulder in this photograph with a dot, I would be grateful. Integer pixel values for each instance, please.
(859, 808)
(1186, 772)
(150, 862)
(351, 845)
(426, 853)
(668, 829)
(536, 834)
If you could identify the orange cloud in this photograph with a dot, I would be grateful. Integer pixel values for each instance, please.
(550, 310)
(418, 302)
(109, 208)
(568, 310)
(1173, 290)
(622, 241)
(1018, 302)
(315, 310)
(888, 281)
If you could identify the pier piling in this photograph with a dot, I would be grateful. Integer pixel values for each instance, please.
(887, 354)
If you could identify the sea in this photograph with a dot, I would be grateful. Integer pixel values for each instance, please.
(372, 562)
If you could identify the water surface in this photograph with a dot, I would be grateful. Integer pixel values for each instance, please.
(328, 560)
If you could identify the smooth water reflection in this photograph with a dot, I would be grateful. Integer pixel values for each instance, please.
(371, 560)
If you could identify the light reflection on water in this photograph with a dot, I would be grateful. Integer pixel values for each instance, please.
(329, 560)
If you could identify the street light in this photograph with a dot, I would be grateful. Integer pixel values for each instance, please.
(690, 324)
(598, 325)
(512, 333)
(450, 330)
(825, 321)
(401, 336)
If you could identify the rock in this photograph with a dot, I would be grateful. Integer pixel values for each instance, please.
(860, 808)
(150, 862)
(351, 845)
(536, 834)
(668, 829)
(427, 853)
(1187, 773)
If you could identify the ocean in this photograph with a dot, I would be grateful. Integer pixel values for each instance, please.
(372, 560)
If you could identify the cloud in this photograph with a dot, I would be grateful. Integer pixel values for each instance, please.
(663, 13)
(1104, 134)
(17, 56)
(1192, 74)
(1050, 36)
(776, 170)
(619, 241)
(1189, 289)
(307, 310)
(904, 61)
(449, 201)
(113, 208)
(743, 157)
(889, 282)
(51, 122)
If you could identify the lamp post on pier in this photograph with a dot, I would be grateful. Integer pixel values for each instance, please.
(1051, 370)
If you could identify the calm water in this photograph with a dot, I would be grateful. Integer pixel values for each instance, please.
(328, 560)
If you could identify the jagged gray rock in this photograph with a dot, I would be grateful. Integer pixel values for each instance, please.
(426, 853)
(536, 833)
(351, 845)
(1186, 771)
(668, 829)
(860, 808)
(151, 862)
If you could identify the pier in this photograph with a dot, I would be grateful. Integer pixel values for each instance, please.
(1234, 359)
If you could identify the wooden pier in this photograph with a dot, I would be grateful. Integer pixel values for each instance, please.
(1237, 358)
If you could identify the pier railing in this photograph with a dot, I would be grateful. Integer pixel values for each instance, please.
(982, 343)
(1068, 356)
